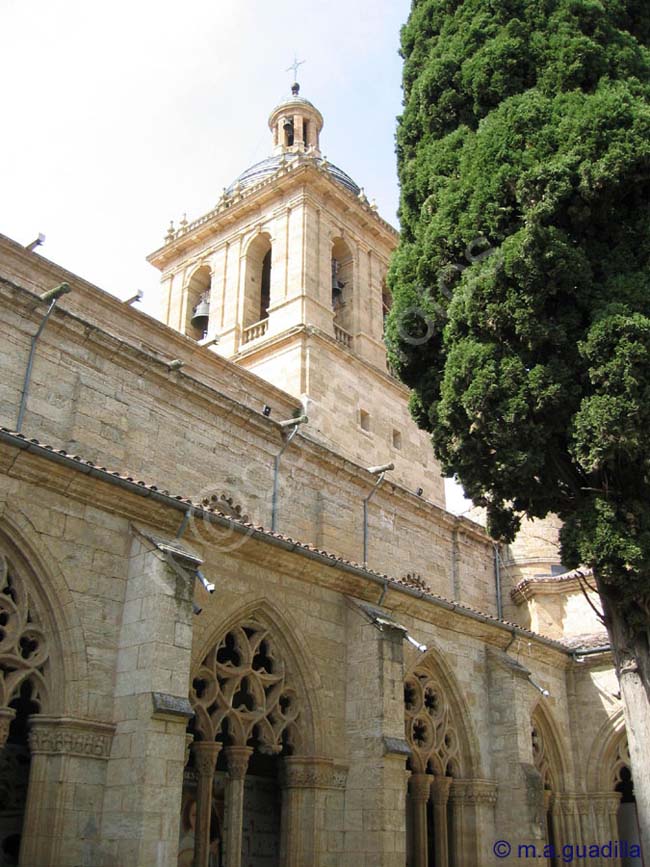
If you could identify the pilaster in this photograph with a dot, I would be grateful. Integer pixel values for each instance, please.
(66, 783)
(145, 769)
(375, 796)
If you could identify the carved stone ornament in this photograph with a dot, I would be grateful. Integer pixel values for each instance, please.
(429, 727)
(70, 737)
(300, 772)
(474, 792)
(621, 761)
(540, 758)
(242, 684)
(23, 647)
(205, 757)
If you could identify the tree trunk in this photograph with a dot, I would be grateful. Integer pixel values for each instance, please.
(632, 660)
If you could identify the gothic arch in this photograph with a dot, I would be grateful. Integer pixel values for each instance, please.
(548, 755)
(299, 674)
(604, 754)
(438, 721)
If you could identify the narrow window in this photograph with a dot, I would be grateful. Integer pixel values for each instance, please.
(397, 439)
(364, 420)
(265, 293)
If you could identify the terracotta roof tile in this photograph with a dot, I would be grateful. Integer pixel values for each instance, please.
(400, 582)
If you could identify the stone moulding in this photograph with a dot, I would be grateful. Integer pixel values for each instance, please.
(70, 737)
(312, 773)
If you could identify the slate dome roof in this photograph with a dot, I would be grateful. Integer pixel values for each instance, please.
(264, 169)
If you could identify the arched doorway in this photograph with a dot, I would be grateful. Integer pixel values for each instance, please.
(441, 765)
(248, 718)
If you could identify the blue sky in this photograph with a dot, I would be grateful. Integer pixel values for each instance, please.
(118, 117)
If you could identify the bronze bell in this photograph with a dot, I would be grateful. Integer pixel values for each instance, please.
(200, 314)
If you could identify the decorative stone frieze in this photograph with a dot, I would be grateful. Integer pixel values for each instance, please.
(300, 772)
(474, 792)
(70, 737)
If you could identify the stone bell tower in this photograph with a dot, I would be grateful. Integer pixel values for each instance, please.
(288, 272)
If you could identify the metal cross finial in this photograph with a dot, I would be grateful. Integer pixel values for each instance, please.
(296, 63)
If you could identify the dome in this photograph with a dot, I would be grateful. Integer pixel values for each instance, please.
(268, 167)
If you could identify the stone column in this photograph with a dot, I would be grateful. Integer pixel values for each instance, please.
(419, 790)
(605, 807)
(566, 820)
(237, 758)
(307, 784)
(205, 758)
(440, 796)
(472, 820)
(66, 789)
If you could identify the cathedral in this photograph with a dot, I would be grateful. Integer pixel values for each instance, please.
(238, 626)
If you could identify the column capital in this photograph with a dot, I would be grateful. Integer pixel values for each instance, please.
(70, 737)
(420, 786)
(205, 756)
(237, 759)
(605, 803)
(312, 772)
(440, 789)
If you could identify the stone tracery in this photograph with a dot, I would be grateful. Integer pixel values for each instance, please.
(242, 687)
(24, 651)
(429, 726)
(540, 756)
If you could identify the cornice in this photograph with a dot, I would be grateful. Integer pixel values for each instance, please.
(237, 207)
(152, 507)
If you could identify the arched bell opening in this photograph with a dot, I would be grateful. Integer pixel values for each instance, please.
(343, 286)
(257, 286)
(198, 303)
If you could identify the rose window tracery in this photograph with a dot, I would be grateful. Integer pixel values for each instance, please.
(23, 647)
(241, 696)
(429, 728)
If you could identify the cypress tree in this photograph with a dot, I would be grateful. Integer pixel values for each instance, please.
(521, 286)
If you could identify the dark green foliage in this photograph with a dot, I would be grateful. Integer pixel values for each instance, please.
(521, 287)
